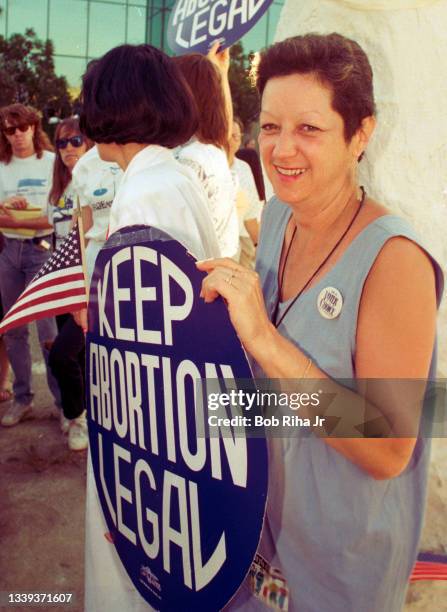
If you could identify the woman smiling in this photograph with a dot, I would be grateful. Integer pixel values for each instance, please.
(343, 291)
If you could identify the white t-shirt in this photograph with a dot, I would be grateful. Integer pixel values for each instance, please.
(211, 166)
(31, 178)
(244, 180)
(96, 183)
(156, 190)
(60, 215)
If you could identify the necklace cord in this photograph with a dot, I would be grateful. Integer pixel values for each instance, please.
(277, 322)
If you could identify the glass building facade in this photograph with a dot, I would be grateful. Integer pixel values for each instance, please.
(84, 29)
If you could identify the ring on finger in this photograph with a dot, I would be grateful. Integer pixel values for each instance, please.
(230, 278)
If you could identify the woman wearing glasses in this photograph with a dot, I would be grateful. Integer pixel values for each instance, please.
(26, 165)
(70, 146)
(67, 355)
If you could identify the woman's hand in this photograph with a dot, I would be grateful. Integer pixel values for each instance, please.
(81, 319)
(17, 202)
(6, 220)
(221, 59)
(242, 292)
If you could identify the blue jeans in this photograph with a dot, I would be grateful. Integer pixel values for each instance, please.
(20, 260)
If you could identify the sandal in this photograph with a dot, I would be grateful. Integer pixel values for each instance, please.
(5, 395)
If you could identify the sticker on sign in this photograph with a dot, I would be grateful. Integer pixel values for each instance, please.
(195, 25)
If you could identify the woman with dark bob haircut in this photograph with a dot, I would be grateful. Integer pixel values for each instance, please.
(344, 294)
(136, 94)
(136, 107)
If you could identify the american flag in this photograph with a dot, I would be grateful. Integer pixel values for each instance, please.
(58, 287)
(429, 566)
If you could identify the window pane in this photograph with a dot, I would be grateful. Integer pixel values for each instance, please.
(275, 13)
(23, 14)
(155, 27)
(72, 68)
(264, 31)
(71, 40)
(3, 23)
(159, 14)
(255, 40)
(136, 25)
(106, 27)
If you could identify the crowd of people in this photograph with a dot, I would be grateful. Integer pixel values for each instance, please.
(328, 300)
(52, 178)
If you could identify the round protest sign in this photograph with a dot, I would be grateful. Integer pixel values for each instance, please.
(184, 508)
(194, 25)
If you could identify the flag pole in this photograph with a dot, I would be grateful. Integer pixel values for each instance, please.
(82, 244)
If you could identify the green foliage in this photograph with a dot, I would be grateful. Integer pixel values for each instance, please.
(244, 95)
(27, 74)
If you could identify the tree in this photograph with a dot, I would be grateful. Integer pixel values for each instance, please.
(27, 75)
(244, 95)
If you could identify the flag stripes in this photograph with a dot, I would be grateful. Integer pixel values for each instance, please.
(57, 288)
(429, 566)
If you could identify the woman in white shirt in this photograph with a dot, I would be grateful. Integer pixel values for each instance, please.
(249, 206)
(137, 108)
(95, 183)
(138, 132)
(67, 354)
(70, 147)
(206, 152)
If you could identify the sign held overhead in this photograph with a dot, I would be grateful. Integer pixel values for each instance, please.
(195, 25)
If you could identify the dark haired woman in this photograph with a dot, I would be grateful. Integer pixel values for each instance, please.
(137, 108)
(28, 123)
(26, 165)
(67, 355)
(344, 292)
(70, 146)
(206, 153)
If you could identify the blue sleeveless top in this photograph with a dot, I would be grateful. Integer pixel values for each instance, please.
(343, 541)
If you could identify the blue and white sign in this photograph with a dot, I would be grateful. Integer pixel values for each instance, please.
(184, 509)
(194, 25)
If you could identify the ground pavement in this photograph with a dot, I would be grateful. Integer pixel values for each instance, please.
(42, 498)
